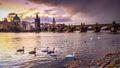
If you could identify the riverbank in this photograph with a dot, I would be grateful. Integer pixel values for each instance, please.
(110, 60)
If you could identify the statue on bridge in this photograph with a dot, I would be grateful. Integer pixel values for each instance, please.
(97, 28)
(83, 28)
(114, 27)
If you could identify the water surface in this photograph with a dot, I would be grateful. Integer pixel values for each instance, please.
(87, 46)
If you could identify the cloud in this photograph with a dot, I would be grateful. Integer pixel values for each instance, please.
(32, 9)
(23, 13)
(47, 15)
(10, 16)
(63, 19)
(30, 19)
(81, 5)
(0, 3)
(102, 11)
(54, 11)
(46, 19)
(26, 3)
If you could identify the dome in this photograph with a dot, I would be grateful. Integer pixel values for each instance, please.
(16, 17)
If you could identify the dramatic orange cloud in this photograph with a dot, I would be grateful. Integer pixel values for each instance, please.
(0, 3)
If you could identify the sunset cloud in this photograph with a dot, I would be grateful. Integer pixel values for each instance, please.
(0, 3)
(55, 12)
(74, 11)
(32, 9)
(82, 5)
(103, 11)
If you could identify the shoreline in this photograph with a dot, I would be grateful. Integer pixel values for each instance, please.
(106, 61)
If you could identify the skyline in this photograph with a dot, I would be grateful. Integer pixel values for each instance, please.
(72, 11)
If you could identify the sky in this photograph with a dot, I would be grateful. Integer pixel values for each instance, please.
(64, 11)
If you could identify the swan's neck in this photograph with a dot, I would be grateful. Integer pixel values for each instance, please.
(34, 49)
(47, 47)
(73, 53)
(53, 49)
(23, 48)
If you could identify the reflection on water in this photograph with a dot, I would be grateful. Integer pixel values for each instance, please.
(65, 43)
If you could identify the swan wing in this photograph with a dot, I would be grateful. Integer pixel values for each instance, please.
(53, 54)
(45, 50)
(69, 56)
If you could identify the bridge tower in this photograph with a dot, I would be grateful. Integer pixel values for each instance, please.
(114, 27)
(97, 28)
(37, 23)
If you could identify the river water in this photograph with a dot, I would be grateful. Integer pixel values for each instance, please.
(87, 46)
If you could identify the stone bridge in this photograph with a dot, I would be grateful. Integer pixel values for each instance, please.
(100, 25)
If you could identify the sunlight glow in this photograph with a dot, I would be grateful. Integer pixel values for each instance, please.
(3, 14)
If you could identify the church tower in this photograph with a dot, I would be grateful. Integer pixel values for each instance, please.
(37, 22)
(53, 22)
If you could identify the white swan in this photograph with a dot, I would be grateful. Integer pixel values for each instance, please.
(45, 50)
(70, 55)
(53, 54)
